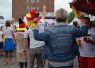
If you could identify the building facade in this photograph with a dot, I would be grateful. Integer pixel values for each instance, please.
(38, 5)
(21, 7)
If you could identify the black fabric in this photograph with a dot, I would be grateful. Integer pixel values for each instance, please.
(1, 45)
(28, 41)
(25, 64)
(20, 21)
(22, 64)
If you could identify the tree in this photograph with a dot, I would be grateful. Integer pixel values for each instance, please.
(70, 17)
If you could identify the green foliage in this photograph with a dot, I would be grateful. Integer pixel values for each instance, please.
(70, 17)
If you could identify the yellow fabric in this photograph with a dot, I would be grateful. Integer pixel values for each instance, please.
(75, 11)
(3, 39)
(31, 24)
(20, 29)
(28, 15)
(14, 40)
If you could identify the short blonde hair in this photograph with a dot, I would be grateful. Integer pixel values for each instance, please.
(61, 15)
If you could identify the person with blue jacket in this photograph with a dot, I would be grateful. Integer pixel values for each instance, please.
(60, 41)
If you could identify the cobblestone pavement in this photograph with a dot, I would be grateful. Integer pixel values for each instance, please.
(15, 65)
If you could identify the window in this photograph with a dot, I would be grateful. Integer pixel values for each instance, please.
(33, 1)
(33, 7)
(37, 8)
(27, 7)
(38, 1)
(27, 1)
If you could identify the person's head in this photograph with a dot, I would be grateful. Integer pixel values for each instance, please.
(61, 15)
(7, 24)
(35, 20)
(87, 21)
(81, 14)
(75, 23)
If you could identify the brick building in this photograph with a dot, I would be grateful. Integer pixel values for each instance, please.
(21, 7)
(38, 5)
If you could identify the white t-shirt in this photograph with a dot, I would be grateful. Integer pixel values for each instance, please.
(33, 43)
(8, 32)
(1, 34)
(87, 49)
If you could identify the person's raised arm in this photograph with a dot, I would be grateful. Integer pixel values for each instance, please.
(44, 36)
(79, 32)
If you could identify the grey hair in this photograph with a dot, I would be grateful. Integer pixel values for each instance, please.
(61, 15)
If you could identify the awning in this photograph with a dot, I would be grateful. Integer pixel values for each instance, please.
(87, 6)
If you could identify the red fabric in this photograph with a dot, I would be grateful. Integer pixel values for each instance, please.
(22, 25)
(87, 6)
(13, 34)
(87, 62)
(33, 12)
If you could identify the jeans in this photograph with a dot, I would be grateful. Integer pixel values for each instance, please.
(36, 53)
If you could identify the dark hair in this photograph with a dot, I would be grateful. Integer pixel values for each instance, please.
(87, 18)
(7, 24)
(37, 15)
(75, 23)
(90, 24)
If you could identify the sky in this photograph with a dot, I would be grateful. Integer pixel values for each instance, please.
(63, 4)
(6, 7)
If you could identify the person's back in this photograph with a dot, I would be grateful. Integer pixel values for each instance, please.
(35, 49)
(60, 49)
(8, 45)
(33, 43)
(7, 32)
(62, 43)
(19, 41)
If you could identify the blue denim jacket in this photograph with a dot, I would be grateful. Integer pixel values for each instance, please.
(60, 41)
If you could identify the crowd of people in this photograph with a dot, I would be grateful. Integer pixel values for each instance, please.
(59, 44)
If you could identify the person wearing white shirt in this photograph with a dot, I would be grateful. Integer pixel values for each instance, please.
(8, 46)
(35, 49)
(87, 47)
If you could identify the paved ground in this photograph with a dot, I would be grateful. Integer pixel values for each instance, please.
(2, 65)
(15, 65)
